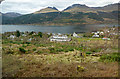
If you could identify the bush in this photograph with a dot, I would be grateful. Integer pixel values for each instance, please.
(23, 45)
(59, 50)
(9, 52)
(95, 49)
(40, 34)
(71, 49)
(34, 49)
(31, 33)
(22, 50)
(52, 50)
(27, 42)
(88, 52)
(17, 33)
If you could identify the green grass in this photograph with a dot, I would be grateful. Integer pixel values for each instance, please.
(110, 57)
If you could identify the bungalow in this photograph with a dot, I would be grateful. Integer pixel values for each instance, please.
(59, 38)
(101, 33)
(75, 35)
(105, 38)
(95, 36)
(30, 39)
(24, 35)
(12, 36)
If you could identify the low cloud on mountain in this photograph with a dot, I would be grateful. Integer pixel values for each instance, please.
(30, 6)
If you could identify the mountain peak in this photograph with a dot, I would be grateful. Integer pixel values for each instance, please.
(12, 14)
(81, 6)
(53, 8)
(47, 10)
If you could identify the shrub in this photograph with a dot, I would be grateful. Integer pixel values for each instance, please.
(71, 49)
(40, 34)
(34, 49)
(95, 49)
(31, 33)
(52, 50)
(22, 50)
(9, 52)
(17, 33)
(27, 42)
(23, 45)
(59, 50)
(88, 52)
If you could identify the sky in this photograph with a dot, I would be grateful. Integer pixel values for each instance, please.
(30, 6)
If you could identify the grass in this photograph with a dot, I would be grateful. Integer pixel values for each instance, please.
(114, 57)
(43, 58)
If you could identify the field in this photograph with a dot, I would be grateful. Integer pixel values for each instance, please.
(81, 57)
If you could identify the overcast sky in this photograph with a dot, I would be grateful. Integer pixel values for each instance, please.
(30, 6)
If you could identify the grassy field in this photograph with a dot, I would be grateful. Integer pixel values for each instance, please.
(81, 57)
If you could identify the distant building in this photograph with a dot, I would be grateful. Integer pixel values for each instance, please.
(98, 33)
(30, 39)
(101, 33)
(24, 35)
(60, 38)
(75, 35)
(12, 36)
(48, 33)
(105, 38)
(95, 36)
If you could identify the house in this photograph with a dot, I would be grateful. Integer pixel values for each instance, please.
(30, 39)
(75, 35)
(12, 36)
(24, 35)
(101, 33)
(95, 36)
(98, 32)
(59, 38)
(59, 34)
(34, 33)
(48, 33)
(105, 38)
(21, 39)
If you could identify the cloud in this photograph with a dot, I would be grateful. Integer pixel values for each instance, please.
(30, 6)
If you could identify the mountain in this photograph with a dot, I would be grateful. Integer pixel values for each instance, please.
(12, 14)
(47, 10)
(73, 15)
(78, 8)
(83, 8)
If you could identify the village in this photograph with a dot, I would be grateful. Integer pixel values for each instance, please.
(56, 54)
(104, 34)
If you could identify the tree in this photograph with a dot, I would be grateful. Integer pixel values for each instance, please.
(17, 33)
(40, 34)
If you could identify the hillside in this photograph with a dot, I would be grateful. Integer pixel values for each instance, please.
(47, 10)
(83, 8)
(75, 14)
(12, 14)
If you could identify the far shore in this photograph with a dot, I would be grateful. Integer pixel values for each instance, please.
(52, 24)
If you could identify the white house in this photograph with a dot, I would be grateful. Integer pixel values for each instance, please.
(75, 35)
(59, 38)
(24, 35)
(95, 36)
(30, 39)
(12, 36)
(105, 38)
(101, 33)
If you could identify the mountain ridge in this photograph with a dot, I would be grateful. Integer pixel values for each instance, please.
(52, 15)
